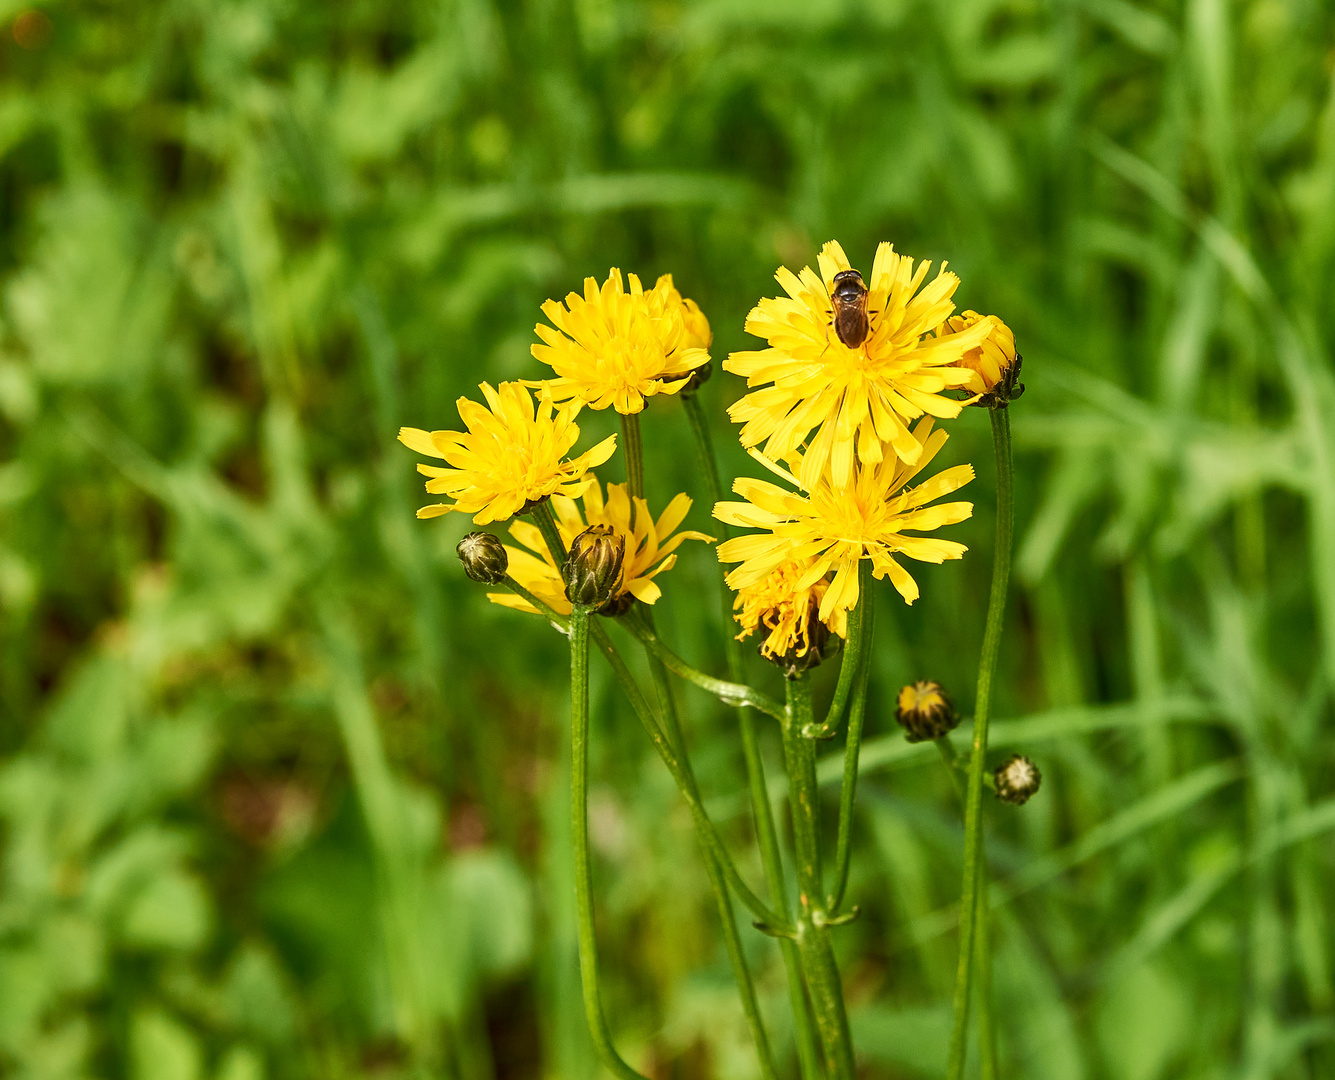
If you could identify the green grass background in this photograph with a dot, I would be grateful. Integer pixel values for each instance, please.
(281, 794)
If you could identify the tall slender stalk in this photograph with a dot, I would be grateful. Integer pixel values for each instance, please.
(974, 865)
(634, 454)
(762, 815)
(579, 821)
(813, 933)
(865, 613)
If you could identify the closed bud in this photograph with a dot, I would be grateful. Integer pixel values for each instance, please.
(925, 712)
(484, 557)
(1017, 779)
(592, 570)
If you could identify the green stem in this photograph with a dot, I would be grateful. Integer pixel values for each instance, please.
(559, 621)
(579, 820)
(634, 451)
(952, 762)
(853, 668)
(975, 868)
(732, 942)
(866, 614)
(813, 933)
(704, 827)
(761, 812)
(727, 692)
(542, 515)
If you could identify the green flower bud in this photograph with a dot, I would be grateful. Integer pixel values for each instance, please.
(1017, 779)
(592, 570)
(925, 711)
(484, 558)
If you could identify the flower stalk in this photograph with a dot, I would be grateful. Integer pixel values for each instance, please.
(813, 931)
(975, 870)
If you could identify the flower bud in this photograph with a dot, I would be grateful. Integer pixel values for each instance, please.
(1017, 779)
(484, 557)
(592, 570)
(925, 712)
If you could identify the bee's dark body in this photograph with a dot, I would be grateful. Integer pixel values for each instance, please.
(849, 296)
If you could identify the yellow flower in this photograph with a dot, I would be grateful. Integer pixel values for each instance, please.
(650, 547)
(786, 609)
(511, 456)
(993, 360)
(616, 348)
(838, 525)
(855, 399)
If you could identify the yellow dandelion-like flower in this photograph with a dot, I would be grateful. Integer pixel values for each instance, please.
(785, 609)
(855, 398)
(650, 547)
(994, 360)
(838, 525)
(511, 456)
(615, 348)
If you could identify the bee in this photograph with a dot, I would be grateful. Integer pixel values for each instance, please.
(850, 308)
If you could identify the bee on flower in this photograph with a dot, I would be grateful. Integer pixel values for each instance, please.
(511, 458)
(613, 348)
(835, 526)
(650, 548)
(852, 362)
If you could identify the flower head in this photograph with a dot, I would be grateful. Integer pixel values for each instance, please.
(993, 360)
(924, 710)
(787, 612)
(855, 398)
(836, 526)
(592, 570)
(511, 456)
(484, 558)
(650, 547)
(1016, 780)
(615, 348)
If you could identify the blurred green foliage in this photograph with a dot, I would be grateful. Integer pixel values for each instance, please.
(283, 796)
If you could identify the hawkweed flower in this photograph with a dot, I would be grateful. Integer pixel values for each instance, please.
(511, 457)
(615, 348)
(1017, 779)
(484, 557)
(592, 570)
(994, 360)
(650, 548)
(858, 380)
(835, 526)
(788, 614)
(925, 712)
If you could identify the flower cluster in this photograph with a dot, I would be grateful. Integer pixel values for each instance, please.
(842, 406)
(610, 347)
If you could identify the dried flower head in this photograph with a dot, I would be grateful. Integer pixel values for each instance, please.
(1017, 779)
(615, 348)
(511, 457)
(925, 712)
(789, 615)
(856, 398)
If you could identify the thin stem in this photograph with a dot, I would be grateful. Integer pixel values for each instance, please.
(703, 825)
(727, 692)
(732, 942)
(866, 614)
(579, 820)
(952, 762)
(974, 865)
(813, 933)
(542, 515)
(634, 451)
(761, 812)
(853, 668)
